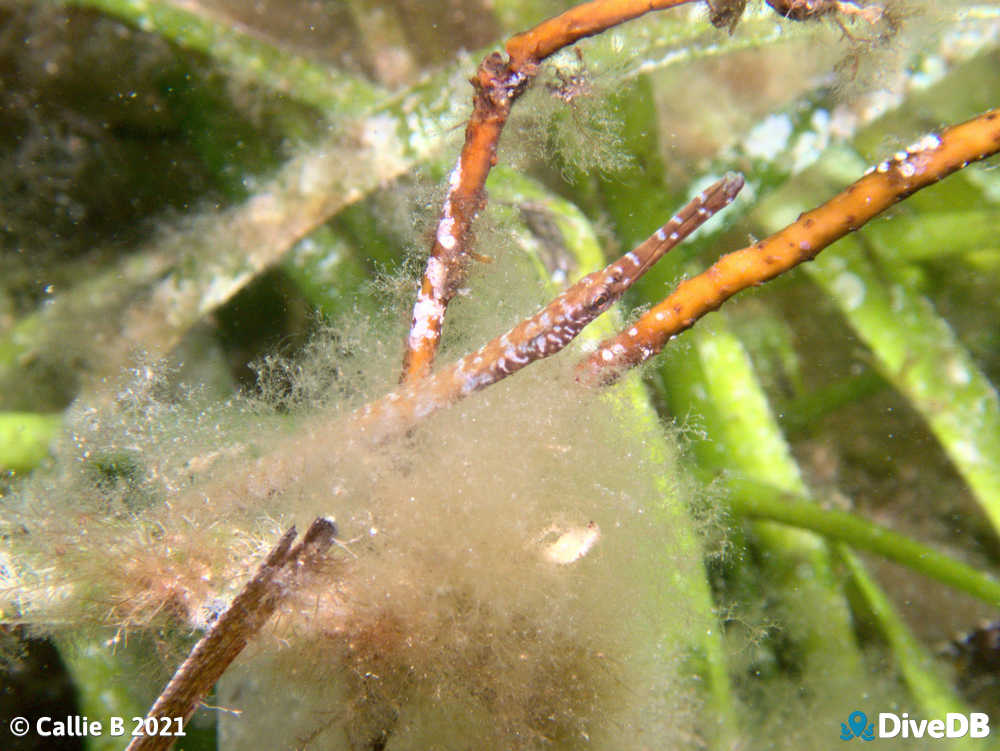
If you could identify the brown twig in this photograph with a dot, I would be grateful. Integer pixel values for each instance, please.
(497, 83)
(234, 629)
(928, 160)
(546, 332)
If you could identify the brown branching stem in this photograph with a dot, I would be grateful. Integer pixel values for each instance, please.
(545, 333)
(234, 629)
(498, 83)
(924, 163)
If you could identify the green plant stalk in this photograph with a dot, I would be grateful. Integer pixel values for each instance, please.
(73, 316)
(327, 89)
(757, 500)
(106, 681)
(655, 41)
(914, 347)
(520, 14)
(759, 448)
(708, 657)
(770, 339)
(327, 271)
(716, 382)
(805, 410)
(154, 297)
(25, 438)
(928, 234)
(933, 694)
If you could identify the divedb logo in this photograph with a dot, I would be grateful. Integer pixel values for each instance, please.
(954, 725)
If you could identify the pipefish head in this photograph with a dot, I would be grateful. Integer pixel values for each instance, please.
(601, 291)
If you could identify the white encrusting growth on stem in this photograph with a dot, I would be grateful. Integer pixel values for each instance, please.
(446, 230)
(437, 289)
(428, 311)
(912, 161)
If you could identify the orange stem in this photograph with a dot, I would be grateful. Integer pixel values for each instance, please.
(587, 19)
(925, 162)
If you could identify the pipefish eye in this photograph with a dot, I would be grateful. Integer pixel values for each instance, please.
(600, 300)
